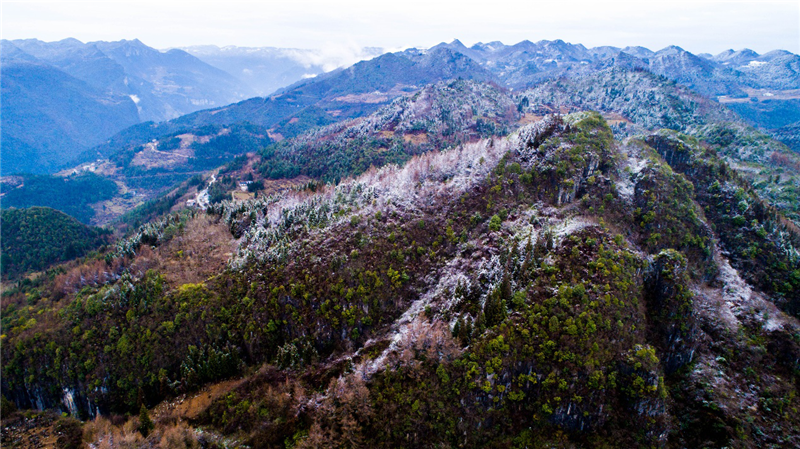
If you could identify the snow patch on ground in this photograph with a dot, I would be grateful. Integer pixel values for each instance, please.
(736, 301)
(634, 165)
(571, 225)
(625, 187)
(411, 319)
(730, 392)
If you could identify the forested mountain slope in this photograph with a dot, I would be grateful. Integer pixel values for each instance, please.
(163, 84)
(73, 195)
(550, 287)
(38, 237)
(342, 94)
(642, 101)
(761, 88)
(390, 256)
(50, 117)
(648, 102)
(61, 98)
(145, 169)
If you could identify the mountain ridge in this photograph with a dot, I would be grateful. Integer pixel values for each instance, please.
(107, 93)
(160, 96)
(560, 285)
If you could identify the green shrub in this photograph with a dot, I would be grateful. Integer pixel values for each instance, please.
(494, 223)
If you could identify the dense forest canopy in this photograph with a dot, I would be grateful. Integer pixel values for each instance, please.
(38, 237)
(72, 195)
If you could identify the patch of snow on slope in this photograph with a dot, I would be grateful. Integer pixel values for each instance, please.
(571, 225)
(410, 320)
(754, 64)
(634, 165)
(736, 301)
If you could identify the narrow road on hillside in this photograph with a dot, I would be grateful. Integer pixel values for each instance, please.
(202, 198)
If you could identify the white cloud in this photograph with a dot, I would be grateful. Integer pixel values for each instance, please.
(332, 55)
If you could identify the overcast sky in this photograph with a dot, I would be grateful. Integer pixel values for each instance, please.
(696, 25)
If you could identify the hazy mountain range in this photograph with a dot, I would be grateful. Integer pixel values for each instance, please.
(725, 74)
(163, 85)
(267, 69)
(112, 85)
(60, 98)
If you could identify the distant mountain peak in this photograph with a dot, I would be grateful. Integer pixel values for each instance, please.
(671, 49)
(457, 43)
(638, 51)
(769, 56)
(10, 52)
(71, 40)
(124, 43)
(623, 59)
(490, 46)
